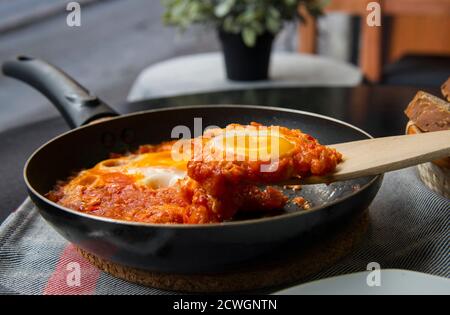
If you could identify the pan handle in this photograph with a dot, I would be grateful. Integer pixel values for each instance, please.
(74, 102)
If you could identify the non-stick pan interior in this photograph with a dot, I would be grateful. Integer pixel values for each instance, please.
(84, 147)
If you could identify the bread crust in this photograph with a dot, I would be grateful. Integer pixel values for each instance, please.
(428, 112)
(445, 89)
(411, 129)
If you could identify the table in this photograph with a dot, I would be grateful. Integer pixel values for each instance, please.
(206, 72)
(378, 110)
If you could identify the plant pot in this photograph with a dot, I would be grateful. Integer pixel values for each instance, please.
(245, 63)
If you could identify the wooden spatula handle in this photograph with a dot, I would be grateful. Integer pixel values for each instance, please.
(381, 155)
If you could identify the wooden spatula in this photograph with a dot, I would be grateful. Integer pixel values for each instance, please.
(381, 155)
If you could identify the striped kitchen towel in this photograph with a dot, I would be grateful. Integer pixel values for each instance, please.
(409, 229)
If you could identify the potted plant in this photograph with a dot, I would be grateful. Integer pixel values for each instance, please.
(246, 28)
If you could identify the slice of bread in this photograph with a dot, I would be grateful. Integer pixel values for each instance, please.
(412, 129)
(446, 90)
(429, 112)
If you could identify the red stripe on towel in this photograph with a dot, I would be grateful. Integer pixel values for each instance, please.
(73, 275)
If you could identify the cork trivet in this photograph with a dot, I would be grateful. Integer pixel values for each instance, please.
(317, 256)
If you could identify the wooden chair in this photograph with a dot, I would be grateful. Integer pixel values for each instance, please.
(416, 27)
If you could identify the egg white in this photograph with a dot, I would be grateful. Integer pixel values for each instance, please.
(155, 170)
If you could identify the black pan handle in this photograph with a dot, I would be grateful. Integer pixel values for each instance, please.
(73, 101)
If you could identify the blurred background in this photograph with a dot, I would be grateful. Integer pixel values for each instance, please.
(118, 39)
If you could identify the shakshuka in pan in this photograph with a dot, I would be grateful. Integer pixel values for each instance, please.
(208, 179)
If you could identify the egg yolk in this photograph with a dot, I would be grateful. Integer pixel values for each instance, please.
(160, 159)
(253, 146)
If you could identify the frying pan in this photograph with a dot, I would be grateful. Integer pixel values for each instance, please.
(176, 248)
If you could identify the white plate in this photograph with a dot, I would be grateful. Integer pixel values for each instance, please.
(391, 282)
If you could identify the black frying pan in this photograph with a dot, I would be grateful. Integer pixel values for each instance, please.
(176, 248)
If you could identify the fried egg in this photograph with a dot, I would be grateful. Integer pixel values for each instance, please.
(247, 144)
(154, 170)
(164, 169)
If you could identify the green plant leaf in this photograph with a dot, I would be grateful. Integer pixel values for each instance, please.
(274, 13)
(273, 25)
(249, 36)
(224, 8)
(229, 25)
